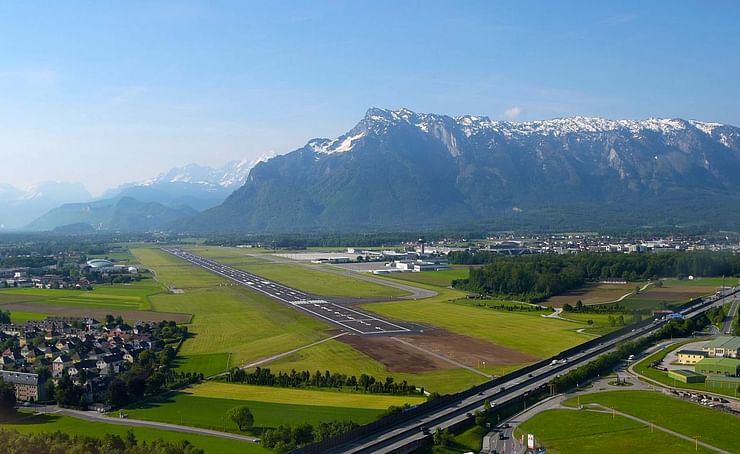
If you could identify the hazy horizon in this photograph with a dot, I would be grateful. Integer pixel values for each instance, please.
(105, 95)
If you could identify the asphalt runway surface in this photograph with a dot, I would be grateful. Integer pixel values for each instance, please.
(342, 315)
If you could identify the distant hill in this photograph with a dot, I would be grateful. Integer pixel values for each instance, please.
(120, 214)
(19, 207)
(401, 170)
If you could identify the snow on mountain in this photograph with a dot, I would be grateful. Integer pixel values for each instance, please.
(229, 176)
(377, 121)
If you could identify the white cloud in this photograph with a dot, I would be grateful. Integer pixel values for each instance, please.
(513, 112)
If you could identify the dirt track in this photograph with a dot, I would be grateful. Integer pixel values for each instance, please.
(463, 349)
(69, 311)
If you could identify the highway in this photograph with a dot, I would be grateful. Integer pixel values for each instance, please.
(335, 312)
(727, 328)
(405, 436)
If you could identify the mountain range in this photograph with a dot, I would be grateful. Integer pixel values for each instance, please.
(152, 204)
(401, 170)
(406, 171)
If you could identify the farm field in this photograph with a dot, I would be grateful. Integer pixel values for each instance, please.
(713, 427)
(673, 292)
(226, 318)
(340, 357)
(74, 426)
(298, 276)
(296, 396)
(437, 278)
(576, 432)
(593, 293)
(210, 413)
(131, 301)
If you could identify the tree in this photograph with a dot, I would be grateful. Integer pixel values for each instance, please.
(590, 322)
(480, 419)
(242, 417)
(117, 393)
(7, 398)
(4, 316)
(579, 306)
(109, 319)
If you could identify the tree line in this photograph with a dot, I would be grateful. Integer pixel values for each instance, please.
(58, 442)
(285, 438)
(367, 383)
(537, 277)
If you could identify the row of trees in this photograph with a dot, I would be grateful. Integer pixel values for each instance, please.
(58, 442)
(536, 277)
(4, 316)
(294, 379)
(285, 438)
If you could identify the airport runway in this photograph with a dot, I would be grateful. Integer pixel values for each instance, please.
(348, 318)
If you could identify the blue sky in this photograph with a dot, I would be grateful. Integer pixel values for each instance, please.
(107, 92)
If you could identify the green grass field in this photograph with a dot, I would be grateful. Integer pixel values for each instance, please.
(525, 332)
(20, 317)
(437, 278)
(227, 319)
(576, 432)
(327, 398)
(298, 276)
(711, 426)
(601, 324)
(207, 364)
(133, 297)
(74, 426)
(210, 413)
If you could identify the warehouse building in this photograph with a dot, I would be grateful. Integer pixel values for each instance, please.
(719, 366)
(723, 347)
(686, 376)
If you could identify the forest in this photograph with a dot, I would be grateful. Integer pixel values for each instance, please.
(537, 277)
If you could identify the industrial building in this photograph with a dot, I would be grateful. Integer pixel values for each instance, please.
(690, 356)
(686, 376)
(723, 347)
(719, 366)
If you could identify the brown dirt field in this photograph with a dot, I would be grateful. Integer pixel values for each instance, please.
(66, 311)
(398, 357)
(674, 294)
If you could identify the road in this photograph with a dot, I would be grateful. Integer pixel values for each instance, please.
(727, 328)
(405, 436)
(101, 418)
(335, 312)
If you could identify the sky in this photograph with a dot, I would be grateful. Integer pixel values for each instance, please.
(111, 92)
